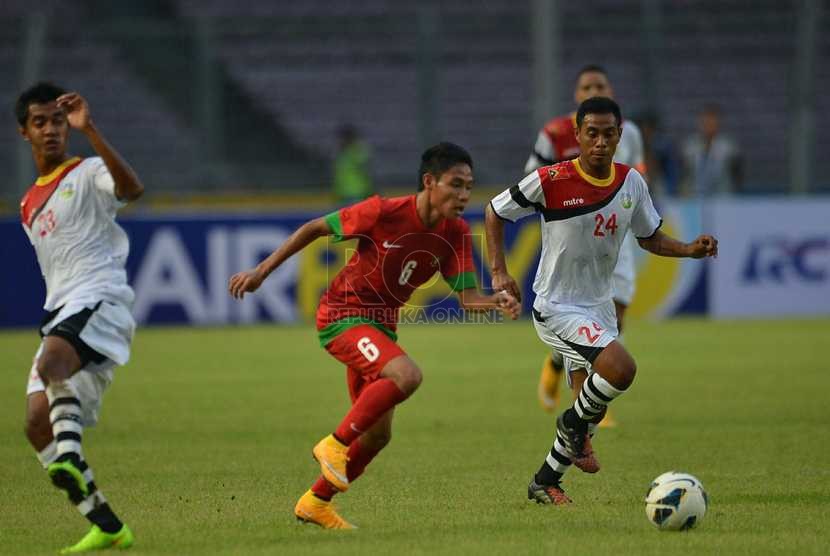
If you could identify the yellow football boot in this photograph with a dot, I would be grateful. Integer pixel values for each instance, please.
(310, 509)
(332, 457)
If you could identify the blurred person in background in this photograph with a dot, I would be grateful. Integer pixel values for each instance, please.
(352, 167)
(712, 162)
(69, 217)
(660, 157)
(557, 141)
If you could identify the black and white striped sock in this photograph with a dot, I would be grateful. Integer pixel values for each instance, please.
(94, 507)
(555, 465)
(65, 416)
(596, 393)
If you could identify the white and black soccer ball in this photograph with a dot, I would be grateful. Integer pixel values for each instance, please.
(676, 501)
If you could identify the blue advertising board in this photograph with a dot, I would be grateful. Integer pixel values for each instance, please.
(179, 266)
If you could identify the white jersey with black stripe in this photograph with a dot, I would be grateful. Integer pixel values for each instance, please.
(584, 221)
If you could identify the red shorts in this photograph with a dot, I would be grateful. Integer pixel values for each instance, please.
(365, 350)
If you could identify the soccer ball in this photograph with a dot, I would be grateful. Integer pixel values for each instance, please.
(676, 501)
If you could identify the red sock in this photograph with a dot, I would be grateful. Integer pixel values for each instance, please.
(323, 489)
(359, 458)
(374, 401)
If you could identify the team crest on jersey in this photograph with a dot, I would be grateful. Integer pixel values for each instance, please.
(626, 201)
(67, 192)
(556, 173)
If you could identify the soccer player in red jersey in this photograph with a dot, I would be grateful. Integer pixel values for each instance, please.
(402, 243)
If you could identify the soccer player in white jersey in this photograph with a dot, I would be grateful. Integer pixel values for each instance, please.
(587, 205)
(69, 216)
(557, 142)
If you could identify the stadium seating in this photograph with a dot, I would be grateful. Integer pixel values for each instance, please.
(311, 66)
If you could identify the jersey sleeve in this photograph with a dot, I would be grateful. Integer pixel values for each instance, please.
(521, 200)
(103, 183)
(354, 220)
(458, 271)
(645, 221)
(542, 154)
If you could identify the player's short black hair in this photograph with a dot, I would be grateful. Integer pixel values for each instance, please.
(591, 68)
(441, 157)
(39, 93)
(598, 105)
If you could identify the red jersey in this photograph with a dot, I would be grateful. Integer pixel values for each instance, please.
(561, 132)
(396, 253)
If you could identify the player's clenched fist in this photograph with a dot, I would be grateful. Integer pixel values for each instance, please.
(246, 281)
(704, 246)
(508, 304)
(502, 281)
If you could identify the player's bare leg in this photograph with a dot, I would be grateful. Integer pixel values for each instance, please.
(38, 429)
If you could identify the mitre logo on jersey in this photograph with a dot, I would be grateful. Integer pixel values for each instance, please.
(626, 201)
(575, 202)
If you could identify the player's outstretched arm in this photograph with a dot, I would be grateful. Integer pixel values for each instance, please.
(127, 185)
(250, 280)
(473, 300)
(666, 246)
(494, 229)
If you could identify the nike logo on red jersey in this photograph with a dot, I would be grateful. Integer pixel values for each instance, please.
(387, 245)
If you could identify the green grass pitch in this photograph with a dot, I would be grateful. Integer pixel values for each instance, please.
(205, 438)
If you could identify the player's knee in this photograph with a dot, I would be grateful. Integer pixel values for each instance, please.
(404, 373)
(626, 371)
(616, 366)
(411, 378)
(52, 368)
